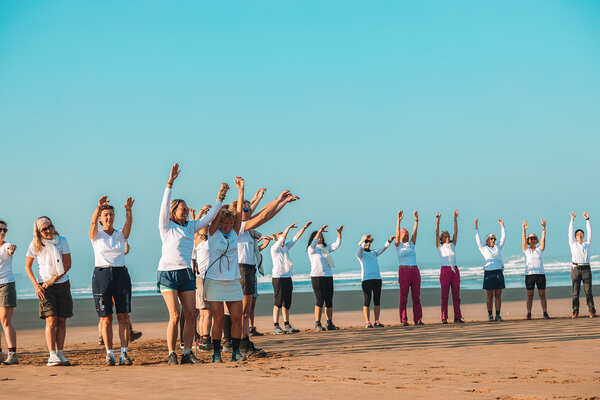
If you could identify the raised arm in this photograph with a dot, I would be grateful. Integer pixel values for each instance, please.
(385, 247)
(543, 242)
(128, 218)
(524, 236)
(477, 238)
(240, 184)
(338, 242)
(94, 222)
(258, 196)
(265, 242)
(437, 229)
(285, 233)
(270, 210)
(301, 231)
(571, 232)
(398, 225)
(163, 219)
(455, 236)
(415, 227)
(502, 233)
(588, 228)
(315, 241)
(209, 213)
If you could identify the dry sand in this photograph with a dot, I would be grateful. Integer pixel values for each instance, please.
(515, 359)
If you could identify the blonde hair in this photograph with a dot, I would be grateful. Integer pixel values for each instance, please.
(173, 207)
(37, 235)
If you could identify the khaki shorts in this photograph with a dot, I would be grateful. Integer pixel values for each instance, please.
(58, 303)
(201, 303)
(8, 295)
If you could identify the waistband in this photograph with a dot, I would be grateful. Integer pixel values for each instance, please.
(408, 266)
(575, 265)
(109, 266)
(450, 266)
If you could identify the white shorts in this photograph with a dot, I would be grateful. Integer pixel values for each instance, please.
(222, 290)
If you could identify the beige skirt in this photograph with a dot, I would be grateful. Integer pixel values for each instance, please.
(222, 290)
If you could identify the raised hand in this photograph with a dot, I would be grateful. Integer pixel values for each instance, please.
(292, 226)
(391, 239)
(586, 215)
(306, 225)
(572, 214)
(193, 213)
(11, 249)
(283, 195)
(455, 213)
(340, 229)
(323, 229)
(291, 198)
(416, 214)
(543, 222)
(204, 210)
(222, 191)
(240, 182)
(129, 203)
(501, 222)
(174, 174)
(477, 223)
(103, 201)
(438, 215)
(525, 226)
(400, 214)
(261, 192)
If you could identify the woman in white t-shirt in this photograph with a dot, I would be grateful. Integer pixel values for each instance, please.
(8, 295)
(111, 282)
(52, 286)
(449, 272)
(534, 267)
(409, 276)
(200, 257)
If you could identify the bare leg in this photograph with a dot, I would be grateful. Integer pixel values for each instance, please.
(188, 302)
(172, 302)
(61, 333)
(286, 314)
(366, 314)
(6, 314)
(489, 300)
(498, 296)
(329, 312)
(124, 331)
(218, 314)
(246, 305)
(275, 314)
(542, 293)
(235, 311)
(51, 327)
(107, 331)
(205, 317)
(318, 313)
(252, 308)
(529, 301)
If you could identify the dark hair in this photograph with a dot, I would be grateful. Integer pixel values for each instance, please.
(578, 230)
(2, 222)
(105, 207)
(312, 236)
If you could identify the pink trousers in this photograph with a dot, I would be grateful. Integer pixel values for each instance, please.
(410, 278)
(450, 278)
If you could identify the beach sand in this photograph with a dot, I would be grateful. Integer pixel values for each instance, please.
(514, 359)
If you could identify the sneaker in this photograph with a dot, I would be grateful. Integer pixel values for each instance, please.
(135, 335)
(63, 360)
(11, 359)
(319, 327)
(253, 349)
(490, 318)
(498, 318)
(109, 361)
(575, 314)
(54, 361)
(378, 324)
(124, 359)
(546, 316)
(445, 322)
(528, 315)
(288, 329)
(237, 356)
(181, 346)
(100, 341)
(459, 321)
(331, 326)
(189, 358)
(368, 325)
(277, 330)
(172, 359)
(227, 346)
(405, 323)
(205, 345)
(216, 357)
(419, 323)
(254, 332)
(592, 315)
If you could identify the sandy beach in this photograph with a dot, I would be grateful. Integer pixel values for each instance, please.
(515, 359)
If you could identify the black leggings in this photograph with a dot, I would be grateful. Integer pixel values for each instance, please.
(323, 288)
(372, 287)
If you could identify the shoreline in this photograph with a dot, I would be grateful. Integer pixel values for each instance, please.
(152, 308)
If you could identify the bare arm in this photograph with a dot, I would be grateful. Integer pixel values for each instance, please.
(385, 247)
(265, 242)
(415, 227)
(437, 229)
(455, 236)
(128, 218)
(269, 211)
(398, 224)
(214, 225)
(258, 196)
(301, 231)
(240, 183)
(94, 222)
(66, 258)
(543, 242)
(285, 233)
(338, 242)
(39, 290)
(524, 236)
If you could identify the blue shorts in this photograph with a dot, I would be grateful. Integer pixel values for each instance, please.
(493, 280)
(111, 284)
(181, 280)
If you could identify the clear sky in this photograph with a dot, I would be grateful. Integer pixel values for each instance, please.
(360, 108)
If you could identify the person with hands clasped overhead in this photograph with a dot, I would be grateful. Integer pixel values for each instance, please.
(52, 286)
(449, 272)
(282, 277)
(175, 278)
(8, 295)
(371, 277)
(534, 267)
(111, 280)
(409, 276)
(493, 277)
(321, 274)
(581, 271)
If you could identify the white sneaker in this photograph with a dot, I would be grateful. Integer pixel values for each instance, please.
(63, 360)
(54, 361)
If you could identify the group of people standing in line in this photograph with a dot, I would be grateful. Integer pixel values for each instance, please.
(207, 274)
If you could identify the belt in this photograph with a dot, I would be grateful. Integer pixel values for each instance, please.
(109, 266)
(576, 265)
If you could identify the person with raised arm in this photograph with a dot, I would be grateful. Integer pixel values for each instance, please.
(8, 295)
(580, 270)
(449, 272)
(409, 277)
(200, 258)
(371, 277)
(493, 275)
(175, 278)
(321, 274)
(534, 267)
(281, 277)
(111, 281)
(52, 286)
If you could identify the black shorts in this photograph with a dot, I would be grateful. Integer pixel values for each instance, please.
(248, 279)
(539, 280)
(58, 302)
(372, 287)
(493, 280)
(111, 284)
(323, 288)
(282, 292)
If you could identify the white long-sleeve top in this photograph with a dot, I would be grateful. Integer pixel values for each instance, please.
(282, 264)
(580, 253)
(321, 263)
(369, 265)
(491, 255)
(178, 240)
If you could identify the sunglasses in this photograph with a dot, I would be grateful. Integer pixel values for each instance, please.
(3, 229)
(246, 209)
(492, 238)
(368, 241)
(47, 228)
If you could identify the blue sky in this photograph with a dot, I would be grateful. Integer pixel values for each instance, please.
(361, 109)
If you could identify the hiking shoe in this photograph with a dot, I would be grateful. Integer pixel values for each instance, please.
(405, 323)
(135, 335)
(277, 330)
(419, 323)
(575, 315)
(546, 316)
(528, 315)
(54, 361)
(11, 359)
(319, 327)
(368, 325)
(205, 345)
(63, 360)
(378, 324)
(124, 359)
(444, 322)
(172, 359)
(109, 361)
(227, 346)
(592, 315)
(288, 329)
(490, 318)
(189, 358)
(331, 326)
(216, 357)
(100, 341)
(254, 332)
(253, 349)
(498, 318)
(459, 321)
(237, 356)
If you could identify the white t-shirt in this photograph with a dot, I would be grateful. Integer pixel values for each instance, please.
(580, 253)
(223, 257)
(406, 254)
(202, 256)
(6, 272)
(491, 255)
(534, 263)
(320, 259)
(109, 250)
(282, 264)
(447, 253)
(369, 265)
(245, 246)
(44, 264)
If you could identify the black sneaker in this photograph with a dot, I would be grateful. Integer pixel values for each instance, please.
(419, 323)
(331, 326)
(498, 318)
(319, 327)
(490, 318)
(135, 335)
(528, 315)
(287, 328)
(459, 321)
(378, 324)
(205, 345)
(445, 322)
(546, 316)
(173, 359)
(405, 323)
(254, 332)
(189, 358)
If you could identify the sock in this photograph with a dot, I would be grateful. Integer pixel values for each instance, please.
(12, 349)
(287, 323)
(53, 354)
(329, 322)
(227, 327)
(245, 339)
(497, 312)
(110, 353)
(60, 353)
(276, 324)
(235, 343)
(124, 350)
(171, 352)
(489, 312)
(216, 345)
(187, 351)
(318, 323)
